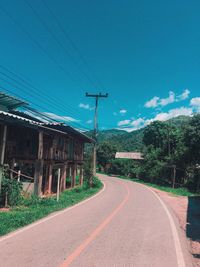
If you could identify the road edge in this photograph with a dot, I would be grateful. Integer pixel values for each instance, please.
(51, 216)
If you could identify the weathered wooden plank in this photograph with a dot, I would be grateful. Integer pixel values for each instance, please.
(39, 164)
(2, 152)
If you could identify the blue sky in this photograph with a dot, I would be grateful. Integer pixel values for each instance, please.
(145, 54)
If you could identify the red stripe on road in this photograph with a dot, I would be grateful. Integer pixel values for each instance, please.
(96, 232)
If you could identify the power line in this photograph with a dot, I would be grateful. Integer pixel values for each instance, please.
(38, 44)
(73, 44)
(50, 100)
(45, 25)
(49, 117)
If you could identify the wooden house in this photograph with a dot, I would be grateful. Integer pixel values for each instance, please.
(39, 149)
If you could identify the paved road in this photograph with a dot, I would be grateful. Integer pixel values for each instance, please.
(125, 225)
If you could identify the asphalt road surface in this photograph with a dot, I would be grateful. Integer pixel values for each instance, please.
(126, 224)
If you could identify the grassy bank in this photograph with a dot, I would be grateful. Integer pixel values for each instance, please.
(33, 209)
(181, 191)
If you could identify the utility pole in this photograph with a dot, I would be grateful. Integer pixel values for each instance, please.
(96, 96)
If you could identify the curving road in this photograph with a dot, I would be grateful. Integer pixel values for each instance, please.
(126, 224)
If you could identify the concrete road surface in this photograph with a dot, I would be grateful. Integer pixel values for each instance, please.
(126, 224)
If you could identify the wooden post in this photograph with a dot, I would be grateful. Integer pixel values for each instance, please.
(2, 152)
(174, 176)
(63, 179)
(81, 175)
(46, 177)
(3, 146)
(50, 177)
(58, 186)
(73, 175)
(70, 174)
(39, 167)
(12, 168)
(18, 176)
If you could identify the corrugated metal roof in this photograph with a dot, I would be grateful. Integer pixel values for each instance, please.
(129, 155)
(56, 127)
(9, 103)
(17, 117)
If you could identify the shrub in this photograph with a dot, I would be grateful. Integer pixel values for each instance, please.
(11, 192)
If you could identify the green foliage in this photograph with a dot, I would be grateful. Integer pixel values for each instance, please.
(88, 169)
(192, 139)
(171, 152)
(11, 192)
(36, 208)
(181, 191)
(126, 167)
(121, 139)
(106, 153)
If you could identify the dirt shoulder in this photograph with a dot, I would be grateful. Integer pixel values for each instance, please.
(187, 210)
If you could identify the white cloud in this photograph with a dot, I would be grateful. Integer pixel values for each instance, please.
(195, 102)
(124, 122)
(123, 111)
(182, 111)
(172, 98)
(137, 123)
(39, 117)
(60, 118)
(166, 101)
(131, 125)
(85, 106)
(152, 103)
(184, 95)
(89, 121)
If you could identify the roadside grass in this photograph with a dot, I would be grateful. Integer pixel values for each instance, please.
(181, 191)
(35, 208)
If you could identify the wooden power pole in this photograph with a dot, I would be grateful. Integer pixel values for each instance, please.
(97, 96)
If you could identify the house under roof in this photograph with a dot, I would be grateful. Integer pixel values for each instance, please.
(39, 149)
(129, 155)
(8, 104)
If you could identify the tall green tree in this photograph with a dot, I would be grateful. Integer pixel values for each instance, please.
(105, 154)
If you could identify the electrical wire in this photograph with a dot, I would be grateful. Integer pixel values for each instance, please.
(73, 44)
(22, 28)
(44, 114)
(60, 44)
(51, 101)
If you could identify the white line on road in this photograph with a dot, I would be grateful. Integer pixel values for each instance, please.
(179, 252)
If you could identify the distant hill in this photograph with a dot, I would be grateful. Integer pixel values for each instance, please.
(179, 121)
(105, 135)
(131, 141)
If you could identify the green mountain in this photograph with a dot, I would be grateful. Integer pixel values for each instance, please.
(131, 141)
(106, 135)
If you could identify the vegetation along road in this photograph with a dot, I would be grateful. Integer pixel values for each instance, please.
(126, 224)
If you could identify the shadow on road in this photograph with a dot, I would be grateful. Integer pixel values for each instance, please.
(193, 220)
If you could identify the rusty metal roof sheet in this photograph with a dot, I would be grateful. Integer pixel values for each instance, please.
(129, 155)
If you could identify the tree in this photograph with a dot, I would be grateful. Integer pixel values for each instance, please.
(192, 139)
(155, 134)
(192, 154)
(105, 153)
